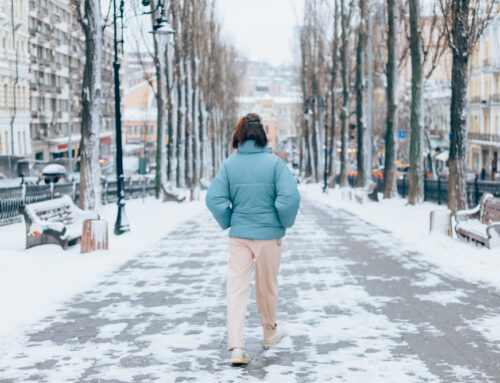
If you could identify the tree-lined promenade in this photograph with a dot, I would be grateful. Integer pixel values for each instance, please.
(337, 72)
(196, 85)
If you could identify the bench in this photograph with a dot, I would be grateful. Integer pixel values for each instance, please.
(482, 223)
(58, 221)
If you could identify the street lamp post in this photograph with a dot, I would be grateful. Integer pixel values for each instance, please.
(161, 31)
(121, 224)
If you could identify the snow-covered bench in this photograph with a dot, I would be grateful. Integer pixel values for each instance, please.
(58, 221)
(482, 223)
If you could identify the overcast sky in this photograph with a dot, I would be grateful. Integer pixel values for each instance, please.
(261, 29)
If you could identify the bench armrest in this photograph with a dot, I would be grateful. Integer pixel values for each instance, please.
(463, 215)
(494, 226)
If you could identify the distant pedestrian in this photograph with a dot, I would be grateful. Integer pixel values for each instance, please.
(256, 195)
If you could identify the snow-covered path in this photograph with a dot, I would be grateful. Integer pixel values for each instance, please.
(355, 307)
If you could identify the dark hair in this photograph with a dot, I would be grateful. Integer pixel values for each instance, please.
(249, 128)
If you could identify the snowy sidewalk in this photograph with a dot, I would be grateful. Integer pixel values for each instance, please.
(356, 307)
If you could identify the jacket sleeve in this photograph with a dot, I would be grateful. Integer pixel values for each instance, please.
(218, 199)
(287, 196)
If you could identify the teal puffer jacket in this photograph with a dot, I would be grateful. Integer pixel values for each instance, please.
(254, 193)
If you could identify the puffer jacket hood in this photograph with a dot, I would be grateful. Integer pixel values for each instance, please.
(254, 193)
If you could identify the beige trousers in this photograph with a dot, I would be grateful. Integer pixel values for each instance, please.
(267, 257)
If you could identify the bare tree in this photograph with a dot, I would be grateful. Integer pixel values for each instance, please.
(424, 50)
(390, 189)
(464, 23)
(345, 17)
(415, 191)
(333, 79)
(360, 89)
(88, 13)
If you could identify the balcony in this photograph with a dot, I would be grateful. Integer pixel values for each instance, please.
(33, 87)
(45, 88)
(484, 137)
(495, 98)
(55, 18)
(44, 63)
(32, 59)
(475, 100)
(34, 114)
(32, 32)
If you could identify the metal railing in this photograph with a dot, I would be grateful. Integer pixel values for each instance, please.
(436, 190)
(12, 198)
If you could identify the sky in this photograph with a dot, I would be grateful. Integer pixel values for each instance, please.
(261, 30)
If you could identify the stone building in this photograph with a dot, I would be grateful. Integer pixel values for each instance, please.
(14, 79)
(57, 57)
(484, 116)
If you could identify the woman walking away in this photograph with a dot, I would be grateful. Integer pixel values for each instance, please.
(256, 196)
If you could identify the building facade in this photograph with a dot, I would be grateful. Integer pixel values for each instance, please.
(484, 115)
(272, 93)
(14, 79)
(57, 57)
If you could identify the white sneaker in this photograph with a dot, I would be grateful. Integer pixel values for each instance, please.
(274, 339)
(239, 357)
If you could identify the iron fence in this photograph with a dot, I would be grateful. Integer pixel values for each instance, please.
(436, 190)
(12, 198)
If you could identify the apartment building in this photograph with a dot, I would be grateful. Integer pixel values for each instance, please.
(484, 115)
(56, 61)
(14, 79)
(139, 105)
(271, 92)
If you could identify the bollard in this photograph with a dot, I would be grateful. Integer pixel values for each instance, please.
(425, 187)
(476, 186)
(439, 190)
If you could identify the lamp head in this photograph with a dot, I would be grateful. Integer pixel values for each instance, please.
(162, 27)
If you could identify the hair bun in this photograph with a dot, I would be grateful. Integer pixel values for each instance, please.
(251, 117)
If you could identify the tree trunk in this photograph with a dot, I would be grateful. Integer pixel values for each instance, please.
(360, 89)
(457, 183)
(333, 142)
(90, 168)
(172, 132)
(390, 187)
(416, 183)
(344, 114)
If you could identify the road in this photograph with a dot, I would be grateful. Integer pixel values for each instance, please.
(354, 306)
